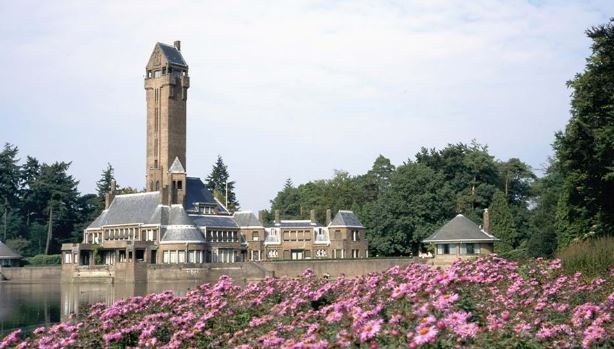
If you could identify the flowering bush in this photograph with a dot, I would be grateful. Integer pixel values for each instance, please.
(486, 303)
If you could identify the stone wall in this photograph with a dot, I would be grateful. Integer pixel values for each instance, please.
(32, 274)
(335, 267)
(210, 272)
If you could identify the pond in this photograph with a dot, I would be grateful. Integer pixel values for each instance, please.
(28, 306)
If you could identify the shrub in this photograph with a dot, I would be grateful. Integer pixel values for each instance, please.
(593, 257)
(43, 259)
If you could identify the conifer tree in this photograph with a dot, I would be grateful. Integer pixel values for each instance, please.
(103, 185)
(502, 223)
(218, 183)
(585, 149)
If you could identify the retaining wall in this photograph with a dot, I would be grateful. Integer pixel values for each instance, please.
(33, 274)
(335, 267)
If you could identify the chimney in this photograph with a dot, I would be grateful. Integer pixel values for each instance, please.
(486, 221)
(277, 220)
(329, 216)
(177, 45)
(312, 216)
(164, 196)
(108, 197)
(261, 217)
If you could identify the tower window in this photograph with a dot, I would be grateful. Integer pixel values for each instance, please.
(155, 163)
(180, 185)
(164, 71)
(157, 73)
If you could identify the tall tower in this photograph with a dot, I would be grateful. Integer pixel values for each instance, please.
(166, 89)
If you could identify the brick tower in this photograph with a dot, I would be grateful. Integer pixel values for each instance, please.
(166, 88)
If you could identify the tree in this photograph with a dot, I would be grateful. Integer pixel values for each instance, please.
(222, 188)
(103, 185)
(585, 149)
(418, 201)
(287, 201)
(502, 224)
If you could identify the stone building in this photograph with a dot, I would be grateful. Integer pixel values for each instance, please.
(462, 238)
(177, 220)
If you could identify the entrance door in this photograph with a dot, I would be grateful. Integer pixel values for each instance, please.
(297, 254)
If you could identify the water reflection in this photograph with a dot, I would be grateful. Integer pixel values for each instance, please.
(28, 306)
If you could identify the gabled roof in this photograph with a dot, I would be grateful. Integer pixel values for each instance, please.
(7, 253)
(345, 218)
(172, 54)
(460, 228)
(246, 219)
(176, 166)
(130, 209)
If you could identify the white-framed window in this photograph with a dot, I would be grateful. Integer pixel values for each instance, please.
(181, 256)
(255, 255)
(191, 256)
(273, 254)
(355, 254)
(67, 258)
(321, 253)
(166, 257)
(173, 257)
(355, 235)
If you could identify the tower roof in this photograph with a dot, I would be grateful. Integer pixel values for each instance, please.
(346, 218)
(176, 166)
(163, 54)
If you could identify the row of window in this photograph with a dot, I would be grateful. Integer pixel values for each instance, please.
(179, 256)
(307, 254)
(464, 249)
(222, 255)
(121, 234)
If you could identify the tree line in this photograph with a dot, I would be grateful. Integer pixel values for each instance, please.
(573, 200)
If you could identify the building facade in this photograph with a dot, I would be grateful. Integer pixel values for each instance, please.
(177, 220)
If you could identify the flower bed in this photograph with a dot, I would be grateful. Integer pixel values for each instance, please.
(485, 303)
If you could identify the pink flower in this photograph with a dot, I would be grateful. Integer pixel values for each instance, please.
(370, 329)
(425, 335)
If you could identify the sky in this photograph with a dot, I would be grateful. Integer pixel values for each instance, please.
(291, 89)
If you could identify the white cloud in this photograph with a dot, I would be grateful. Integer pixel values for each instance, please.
(291, 88)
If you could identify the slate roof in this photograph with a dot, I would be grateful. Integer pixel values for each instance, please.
(197, 192)
(182, 233)
(246, 219)
(460, 228)
(214, 221)
(345, 219)
(172, 55)
(296, 224)
(130, 209)
(178, 216)
(7, 253)
(176, 166)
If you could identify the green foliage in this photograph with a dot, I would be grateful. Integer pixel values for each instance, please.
(592, 257)
(502, 224)
(19, 245)
(103, 185)
(43, 259)
(584, 149)
(218, 182)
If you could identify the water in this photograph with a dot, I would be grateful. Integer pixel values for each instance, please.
(28, 306)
